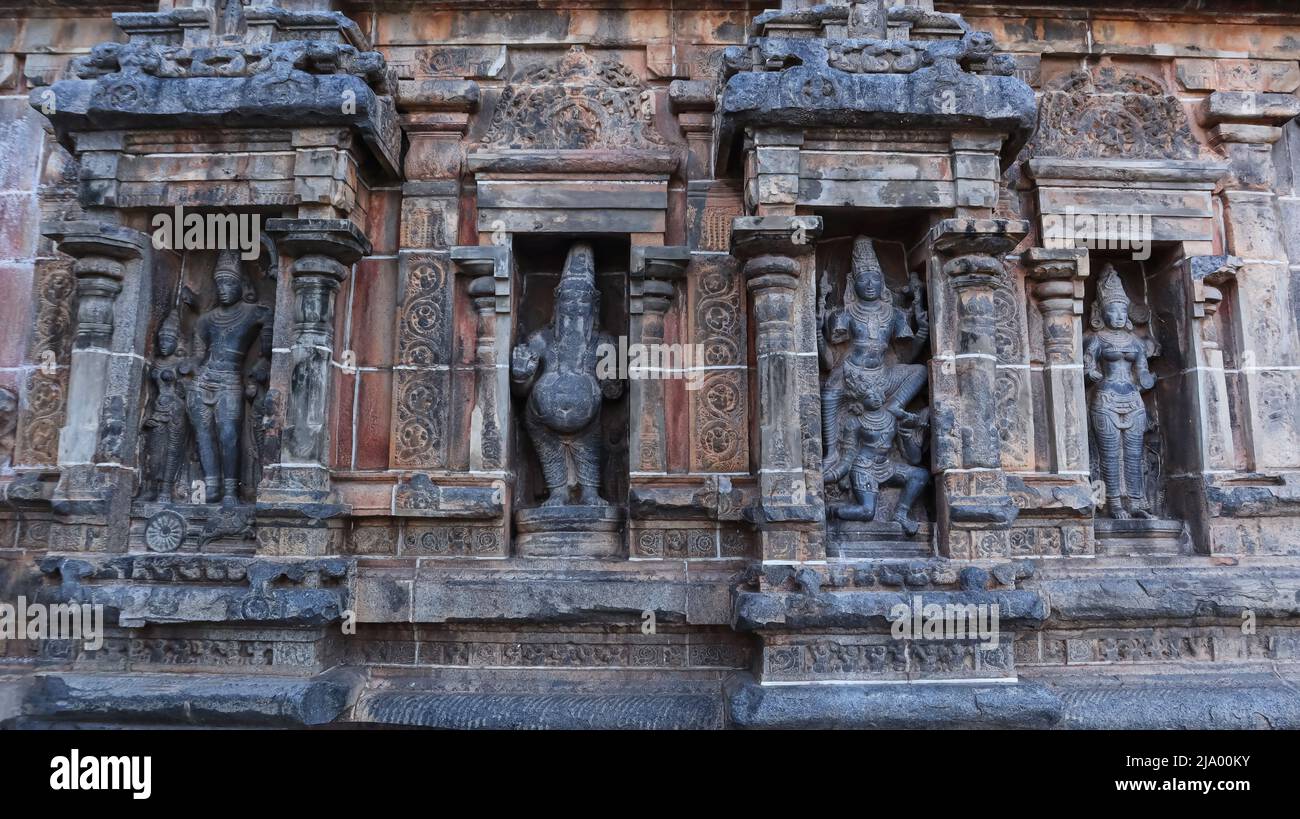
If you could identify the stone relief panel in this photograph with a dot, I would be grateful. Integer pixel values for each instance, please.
(719, 407)
(875, 420)
(584, 102)
(571, 406)
(421, 377)
(42, 397)
(1108, 113)
(206, 410)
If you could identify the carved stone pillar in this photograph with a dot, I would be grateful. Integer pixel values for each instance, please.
(1245, 125)
(489, 267)
(323, 251)
(653, 271)
(1059, 277)
(965, 270)
(790, 510)
(97, 442)
(1207, 275)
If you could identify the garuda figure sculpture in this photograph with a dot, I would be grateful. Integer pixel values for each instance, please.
(165, 429)
(556, 369)
(1115, 362)
(223, 337)
(865, 396)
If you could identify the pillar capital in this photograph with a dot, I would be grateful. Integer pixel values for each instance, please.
(952, 238)
(338, 239)
(790, 236)
(651, 277)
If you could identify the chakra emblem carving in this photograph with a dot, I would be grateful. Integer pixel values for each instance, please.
(165, 531)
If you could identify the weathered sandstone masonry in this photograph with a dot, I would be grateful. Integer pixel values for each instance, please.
(976, 307)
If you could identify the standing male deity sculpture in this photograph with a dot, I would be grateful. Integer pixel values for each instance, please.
(223, 337)
(165, 428)
(865, 397)
(1115, 362)
(556, 369)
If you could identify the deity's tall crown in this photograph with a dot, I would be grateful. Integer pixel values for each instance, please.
(579, 275)
(864, 254)
(1110, 289)
(228, 266)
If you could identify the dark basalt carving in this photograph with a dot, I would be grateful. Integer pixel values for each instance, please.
(1115, 361)
(314, 80)
(174, 62)
(865, 422)
(871, 81)
(215, 397)
(556, 369)
(166, 432)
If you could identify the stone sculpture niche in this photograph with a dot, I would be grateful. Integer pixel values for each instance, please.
(875, 426)
(207, 405)
(1115, 364)
(554, 371)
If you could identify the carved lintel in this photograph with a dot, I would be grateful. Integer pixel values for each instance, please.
(436, 94)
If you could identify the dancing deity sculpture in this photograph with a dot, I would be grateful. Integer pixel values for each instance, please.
(165, 428)
(1115, 362)
(223, 337)
(865, 396)
(556, 369)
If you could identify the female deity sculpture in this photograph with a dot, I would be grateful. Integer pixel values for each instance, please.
(1115, 363)
(165, 427)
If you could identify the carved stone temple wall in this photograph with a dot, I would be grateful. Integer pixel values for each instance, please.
(632, 364)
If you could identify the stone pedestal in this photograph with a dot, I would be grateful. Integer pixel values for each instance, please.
(569, 531)
(1141, 537)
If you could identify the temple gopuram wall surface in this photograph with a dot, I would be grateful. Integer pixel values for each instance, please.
(648, 364)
